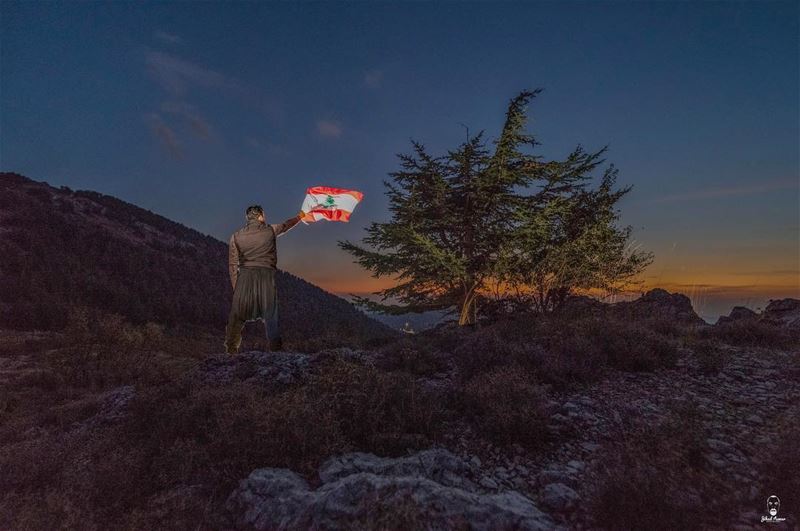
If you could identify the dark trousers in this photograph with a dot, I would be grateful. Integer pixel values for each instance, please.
(254, 297)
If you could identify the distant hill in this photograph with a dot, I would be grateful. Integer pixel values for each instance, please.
(61, 248)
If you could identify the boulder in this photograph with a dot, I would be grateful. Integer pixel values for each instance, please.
(435, 464)
(655, 304)
(112, 407)
(559, 497)
(271, 368)
(660, 304)
(785, 312)
(576, 306)
(737, 313)
(421, 491)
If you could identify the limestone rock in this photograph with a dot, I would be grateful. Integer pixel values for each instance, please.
(559, 497)
(659, 303)
(783, 311)
(421, 491)
(738, 313)
(435, 464)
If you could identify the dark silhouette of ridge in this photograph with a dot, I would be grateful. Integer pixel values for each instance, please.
(60, 249)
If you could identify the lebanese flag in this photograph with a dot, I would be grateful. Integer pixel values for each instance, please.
(333, 204)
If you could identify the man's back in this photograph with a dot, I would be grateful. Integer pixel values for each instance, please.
(254, 245)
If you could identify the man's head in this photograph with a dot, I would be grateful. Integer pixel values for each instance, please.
(255, 212)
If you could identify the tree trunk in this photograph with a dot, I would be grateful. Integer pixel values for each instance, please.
(468, 313)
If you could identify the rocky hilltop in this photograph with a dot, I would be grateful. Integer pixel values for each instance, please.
(730, 423)
(634, 415)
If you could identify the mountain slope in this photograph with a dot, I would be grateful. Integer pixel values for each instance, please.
(61, 249)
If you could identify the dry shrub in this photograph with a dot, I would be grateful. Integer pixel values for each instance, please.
(564, 351)
(13, 343)
(187, 436)
(710, 355)
(382, 412)
(656, 478)
(577, 351)
(102, 350)
(753, 332)
(628, 346)
(570, 359)
(507, 406)
(412, 356)
(665, 326)
(487, 349)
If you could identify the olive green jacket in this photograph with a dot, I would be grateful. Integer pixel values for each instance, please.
(254, 245)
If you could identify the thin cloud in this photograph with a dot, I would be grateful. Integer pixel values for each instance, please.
(190, 114)
(373, 78)
(176, 75)
(728, 191)
(254, 143)
(165, 134)
(329, 129)
(169, 38)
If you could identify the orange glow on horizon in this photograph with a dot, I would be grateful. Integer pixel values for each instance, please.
(773, 286)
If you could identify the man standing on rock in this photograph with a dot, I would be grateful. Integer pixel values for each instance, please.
(252, 262)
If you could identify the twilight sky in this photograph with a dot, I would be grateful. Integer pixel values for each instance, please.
(195, 110)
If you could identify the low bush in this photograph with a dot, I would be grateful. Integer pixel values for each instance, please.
(506, 405)
(564, 351)
(710, 355)
(753, 332)
(486, 349)
(412, 356)
(578, 351)
(568, 360)
(656, 478)
(189, 436)
(629, 346)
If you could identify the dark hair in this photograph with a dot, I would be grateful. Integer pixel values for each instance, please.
(254, 211)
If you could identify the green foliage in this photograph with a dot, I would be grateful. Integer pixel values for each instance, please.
(477, 218)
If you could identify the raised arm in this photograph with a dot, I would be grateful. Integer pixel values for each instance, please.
(233, 260)
(280, 228)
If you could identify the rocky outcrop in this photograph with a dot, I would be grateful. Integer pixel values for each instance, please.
(660, 304)
(655, 304)
(742, 411)
(112, 407)
(780, 312)
(738, 313)
(785, 312)
(433, 489)
(271, 368)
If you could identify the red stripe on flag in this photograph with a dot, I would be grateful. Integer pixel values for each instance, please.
(332, 215)
(334, 191)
